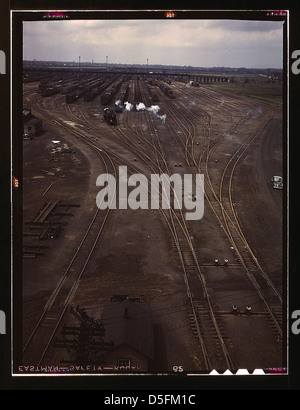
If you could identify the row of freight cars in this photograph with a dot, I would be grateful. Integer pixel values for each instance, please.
(63, 85)
(49, 90)
(166, 89)
(88, 89)
(163, 85)
(97, 89)
(153, 94)
(109, 94)
(82, 90)
(137, 92)
(108, 88)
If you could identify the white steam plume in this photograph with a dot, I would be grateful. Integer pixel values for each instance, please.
(154, 109)
(128, 106)
(141, 107)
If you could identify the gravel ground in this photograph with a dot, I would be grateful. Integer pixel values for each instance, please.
(135, 254)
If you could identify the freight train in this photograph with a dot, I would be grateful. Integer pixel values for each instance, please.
(94, 90)
(153, 94)
(123, 95)
(166, 89)
(67, 88)
(74, 95)
(47, 88)
(137, 91)
(107, 97)
(48, 91)
(88, 90)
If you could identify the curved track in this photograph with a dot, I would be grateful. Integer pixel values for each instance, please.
(143, 140)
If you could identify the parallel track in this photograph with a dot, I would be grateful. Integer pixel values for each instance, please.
(53, 313)
(224, 210)
(215, 353)
(150, 151)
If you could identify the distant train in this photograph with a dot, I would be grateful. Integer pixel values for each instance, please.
(166, 89)
(49, 91)
(109, 94)
(110, 116)
(153, 94)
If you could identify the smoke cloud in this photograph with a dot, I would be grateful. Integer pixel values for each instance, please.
(154, 109)
(141, 107)
(128, 106)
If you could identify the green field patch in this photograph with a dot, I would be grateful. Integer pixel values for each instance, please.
(271, 93)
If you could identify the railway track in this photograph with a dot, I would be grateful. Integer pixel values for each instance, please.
(266, 289)
(203, 318)
(38, 342)
(40, 339)
(214, 350)
(224, 210)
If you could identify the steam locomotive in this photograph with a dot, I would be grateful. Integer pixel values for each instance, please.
(110, 116)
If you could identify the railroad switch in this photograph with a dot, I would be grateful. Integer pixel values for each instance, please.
(217, 263)
(235, 310)
(248, 310)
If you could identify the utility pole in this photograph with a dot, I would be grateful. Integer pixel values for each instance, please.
(79, 61)
(88, 339)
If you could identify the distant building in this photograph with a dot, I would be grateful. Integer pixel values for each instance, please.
(31, 124)
(129, 325)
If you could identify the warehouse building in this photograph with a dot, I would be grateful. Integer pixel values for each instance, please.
(31, 125)
(129, 325)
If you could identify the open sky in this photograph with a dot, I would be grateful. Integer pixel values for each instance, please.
(204, 43)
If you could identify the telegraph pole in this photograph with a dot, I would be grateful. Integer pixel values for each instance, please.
(87, 339)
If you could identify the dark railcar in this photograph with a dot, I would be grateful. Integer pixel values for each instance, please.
(110, 116)
(71, 97)
(153, 94)
(166, 89)
(46, 92)
(107, 97)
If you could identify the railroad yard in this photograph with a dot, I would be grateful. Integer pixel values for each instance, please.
(215, 287)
